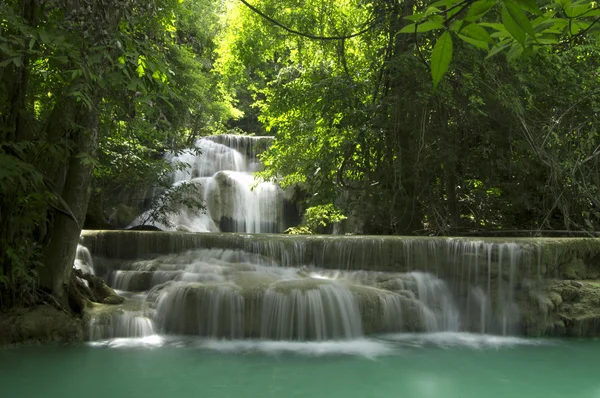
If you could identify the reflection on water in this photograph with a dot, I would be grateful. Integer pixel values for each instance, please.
(440, 365)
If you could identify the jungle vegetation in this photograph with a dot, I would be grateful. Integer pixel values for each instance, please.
(398, 117)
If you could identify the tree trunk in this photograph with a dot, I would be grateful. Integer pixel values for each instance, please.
(64, 231)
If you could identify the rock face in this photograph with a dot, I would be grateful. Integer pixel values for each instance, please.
(41, 324)
(567, 307)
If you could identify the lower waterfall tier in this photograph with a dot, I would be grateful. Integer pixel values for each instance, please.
(324, 287)
(221, 293)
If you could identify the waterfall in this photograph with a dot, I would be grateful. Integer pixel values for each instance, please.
(278, 287)
(222, 168)
(242, 279)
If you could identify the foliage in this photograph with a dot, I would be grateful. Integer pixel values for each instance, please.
(81, 76)
(523, 28)
(501, 143)
(316, 218)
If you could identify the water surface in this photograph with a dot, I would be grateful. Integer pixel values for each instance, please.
(444, 365)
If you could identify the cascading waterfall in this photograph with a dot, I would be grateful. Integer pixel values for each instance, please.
(267, 286)
(222, 168)
(282, 293)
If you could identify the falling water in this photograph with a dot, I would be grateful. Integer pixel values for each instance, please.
(222, 168)
(278, 289)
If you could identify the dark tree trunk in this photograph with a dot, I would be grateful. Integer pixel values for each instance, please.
(64, 230)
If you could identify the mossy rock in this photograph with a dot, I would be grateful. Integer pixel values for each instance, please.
(574, 269)
(39, 325)
(575, 309)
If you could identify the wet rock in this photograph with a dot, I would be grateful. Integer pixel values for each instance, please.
(39, 325)
(98, 289)
(113, 300)
(575, 311)
(570, 294)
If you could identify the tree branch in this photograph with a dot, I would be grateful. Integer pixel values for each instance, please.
(307, 35)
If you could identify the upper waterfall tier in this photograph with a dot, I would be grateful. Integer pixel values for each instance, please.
(222, 168)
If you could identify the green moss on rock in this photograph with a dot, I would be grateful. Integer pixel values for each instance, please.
(39, 325)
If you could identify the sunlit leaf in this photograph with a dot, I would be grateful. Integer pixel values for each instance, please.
(519, 17)
(441, 57)
(422, 27)
(478, 9)
(512, 27)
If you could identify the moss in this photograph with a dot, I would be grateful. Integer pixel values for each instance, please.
(39, 325)
(574, 269)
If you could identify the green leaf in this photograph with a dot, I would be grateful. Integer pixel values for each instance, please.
(529, 5)
(441, 57)
(6, 62)
(574, 10)
(576, 27)
(497, 26)
(416, 17)
(497, 49)
(477, 43)
(422, 27)
(515, 52)
(432, 10)
(519, 18)
(476, 32)
(550, 25)
(478, 9)
(5, 49)
(512, 27)
(44, 37)
(445, 3)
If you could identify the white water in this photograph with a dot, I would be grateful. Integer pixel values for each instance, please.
(372, 348)
(235, 294)
(222, 168)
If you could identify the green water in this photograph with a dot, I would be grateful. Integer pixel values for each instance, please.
(444, 365)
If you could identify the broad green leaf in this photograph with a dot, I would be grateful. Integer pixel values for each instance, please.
(477, 43)
(445, 3)
(515, 52)
(478, 9)
(520, 18)
(541, 24)
(5, 49)
(497, 26)
(577, 27)
(501, 34)
(416, 17)
(422, 27)
(529, 5)
(512, 27)
(574, 11)
(548, 40)
(16, 60)
(432, 10)
(498, 48)
(44, 37)
(441, 57)
(437, 18)
(476, 32)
